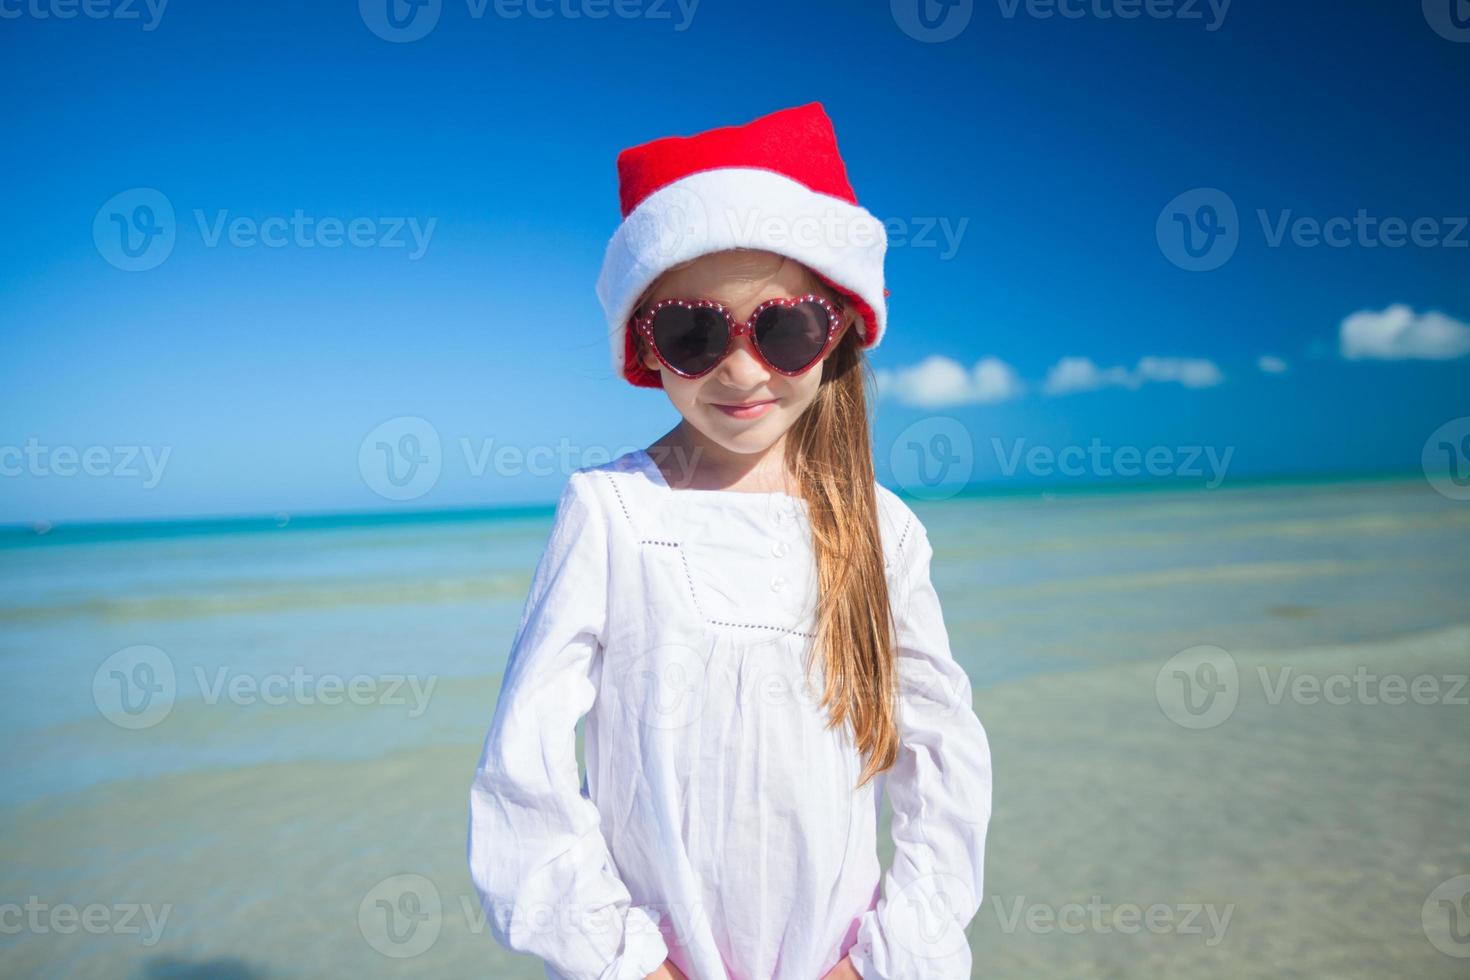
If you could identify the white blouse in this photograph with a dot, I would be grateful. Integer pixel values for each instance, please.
(718, 824)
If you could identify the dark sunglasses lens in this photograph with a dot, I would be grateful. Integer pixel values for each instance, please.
(791, 337)
(692, 340)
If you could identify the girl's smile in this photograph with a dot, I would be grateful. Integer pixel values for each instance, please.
(747, 410)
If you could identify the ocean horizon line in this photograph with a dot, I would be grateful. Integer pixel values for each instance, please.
(16, 533)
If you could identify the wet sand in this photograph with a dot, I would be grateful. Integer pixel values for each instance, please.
(1291, 839)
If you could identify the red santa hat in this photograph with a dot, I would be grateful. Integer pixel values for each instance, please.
(776, 183)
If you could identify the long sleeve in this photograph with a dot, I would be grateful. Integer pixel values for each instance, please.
(537, 854)
(939, 789)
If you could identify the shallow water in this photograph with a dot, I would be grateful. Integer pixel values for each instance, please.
(1291, 836)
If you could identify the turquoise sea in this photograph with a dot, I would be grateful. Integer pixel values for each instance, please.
(242, 749)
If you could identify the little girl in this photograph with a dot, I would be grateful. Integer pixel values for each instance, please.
(744, 616)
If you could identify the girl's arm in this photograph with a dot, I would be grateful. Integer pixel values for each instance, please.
(668, 971)
(939, 789)
(536, 850)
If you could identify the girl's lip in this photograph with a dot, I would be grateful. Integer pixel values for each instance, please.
(747, 410)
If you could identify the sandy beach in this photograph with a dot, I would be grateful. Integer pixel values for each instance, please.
(1294, 825)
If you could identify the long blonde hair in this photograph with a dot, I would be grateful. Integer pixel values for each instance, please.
(829, 458)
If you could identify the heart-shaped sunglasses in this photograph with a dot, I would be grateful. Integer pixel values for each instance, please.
(789, 334)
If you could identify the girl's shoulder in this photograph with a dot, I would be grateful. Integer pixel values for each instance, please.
(621, 490)
(607, 488)
(898, 525)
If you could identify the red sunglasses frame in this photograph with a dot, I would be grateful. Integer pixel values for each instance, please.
(733, 329)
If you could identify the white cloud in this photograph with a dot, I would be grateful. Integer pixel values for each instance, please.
(1072, 374)
(1080, 374)
(1271, 364)
(1398, 333)
(938, 381)
(1191, 372)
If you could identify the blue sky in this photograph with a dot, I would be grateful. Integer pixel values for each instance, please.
(1026, 165)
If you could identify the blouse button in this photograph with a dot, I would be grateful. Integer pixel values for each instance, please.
(778, 583)
(779, 549)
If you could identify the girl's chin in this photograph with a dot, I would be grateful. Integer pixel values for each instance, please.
(745, 438)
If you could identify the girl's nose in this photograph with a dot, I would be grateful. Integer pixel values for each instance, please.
(742, 369)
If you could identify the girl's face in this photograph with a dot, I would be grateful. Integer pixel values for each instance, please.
(741, 280)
